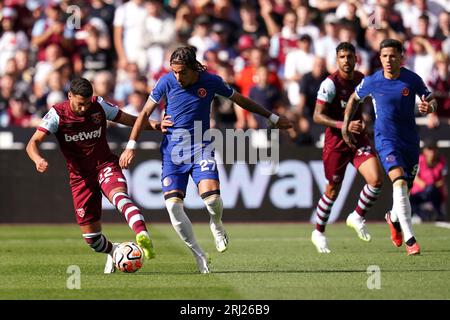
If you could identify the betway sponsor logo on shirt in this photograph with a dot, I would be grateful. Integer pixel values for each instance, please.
(83, 135)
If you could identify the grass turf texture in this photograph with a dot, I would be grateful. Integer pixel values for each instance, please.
(264, 261)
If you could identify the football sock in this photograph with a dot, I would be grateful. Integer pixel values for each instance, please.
(214, 205)
(98, 242)
(131, 212)
(367, 198)
(323, 212)
(411, 241)
(402, 208)
(182, 224)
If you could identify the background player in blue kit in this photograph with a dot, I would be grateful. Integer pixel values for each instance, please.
(393, 91)
(188, 91)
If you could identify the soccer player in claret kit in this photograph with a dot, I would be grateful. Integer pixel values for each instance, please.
(393, 91)
(329, 111)
(188, 91)
(79, 125)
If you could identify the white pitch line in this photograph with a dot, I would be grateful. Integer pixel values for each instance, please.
(443, 224)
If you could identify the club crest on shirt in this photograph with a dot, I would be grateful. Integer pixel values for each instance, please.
(405, 92)
(390, 158)
(202, 92)
(96, 117)
(167, 181)
(81, 212)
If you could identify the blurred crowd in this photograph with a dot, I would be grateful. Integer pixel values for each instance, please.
(277, 52)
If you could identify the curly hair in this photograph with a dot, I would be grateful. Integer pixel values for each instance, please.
(186, 56)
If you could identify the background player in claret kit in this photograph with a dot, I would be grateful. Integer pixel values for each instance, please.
(188, 90)
(329, 111)
(393, 91)
(79, 125)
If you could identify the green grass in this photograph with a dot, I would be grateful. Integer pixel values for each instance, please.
(264, 261)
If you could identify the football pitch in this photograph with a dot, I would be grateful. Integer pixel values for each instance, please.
(264, 261)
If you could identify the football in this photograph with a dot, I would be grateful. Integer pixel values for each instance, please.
(128, 257)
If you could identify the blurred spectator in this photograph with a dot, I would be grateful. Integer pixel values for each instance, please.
(17, 113)
(129, 30)
(224, 113)
(252, 24)
(422, 7)
(51, 30)
(350, 18)
(326, 45)
(304, 22)
(11, 39)
(421, 61)
(92, 58)
(439, 84)
(222, 43)
(298, 63)
(429, 184)
(284, 41)
(136, 101)
(201, 39)
(265, 94)
(104, 11)
(184, 20)
(103, 85)
(124, 84)
(159, 35)
(309, 85)
(6, 92)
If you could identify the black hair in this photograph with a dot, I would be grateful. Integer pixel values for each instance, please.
(392, 43)
(81, 87)
(186, 56)
(345, 46)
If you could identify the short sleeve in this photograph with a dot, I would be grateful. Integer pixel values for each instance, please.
(222, 88)
(327, 91)
(119, 16)
(421, 87)
(363, 89)
(159, 91)
(111, 111)
(50, 122)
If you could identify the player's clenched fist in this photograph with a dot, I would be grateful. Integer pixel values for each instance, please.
(126, 157)
(41, 165)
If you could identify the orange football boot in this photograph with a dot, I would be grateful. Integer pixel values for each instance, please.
(396, 236)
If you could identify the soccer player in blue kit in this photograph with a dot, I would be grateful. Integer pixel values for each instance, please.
(393, 91)
(188, 91)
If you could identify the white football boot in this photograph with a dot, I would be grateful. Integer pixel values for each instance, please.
(220, 236)
(320, 241)
(203, 261)
(357, 222)
(110, 267)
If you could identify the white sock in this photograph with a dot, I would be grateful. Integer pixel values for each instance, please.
(214, 205)
(182, 224)
(401, 207)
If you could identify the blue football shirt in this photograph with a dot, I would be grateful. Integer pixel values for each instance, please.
(189, 108)
(394, 104)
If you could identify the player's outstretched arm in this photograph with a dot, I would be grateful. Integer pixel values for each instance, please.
(141, 122)
(129, 120)
(248, 104)
(33, 151)
(350, 110)
(320, 116)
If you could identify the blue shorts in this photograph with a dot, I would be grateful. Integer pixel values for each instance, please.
(176, 176)
(406, 157)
